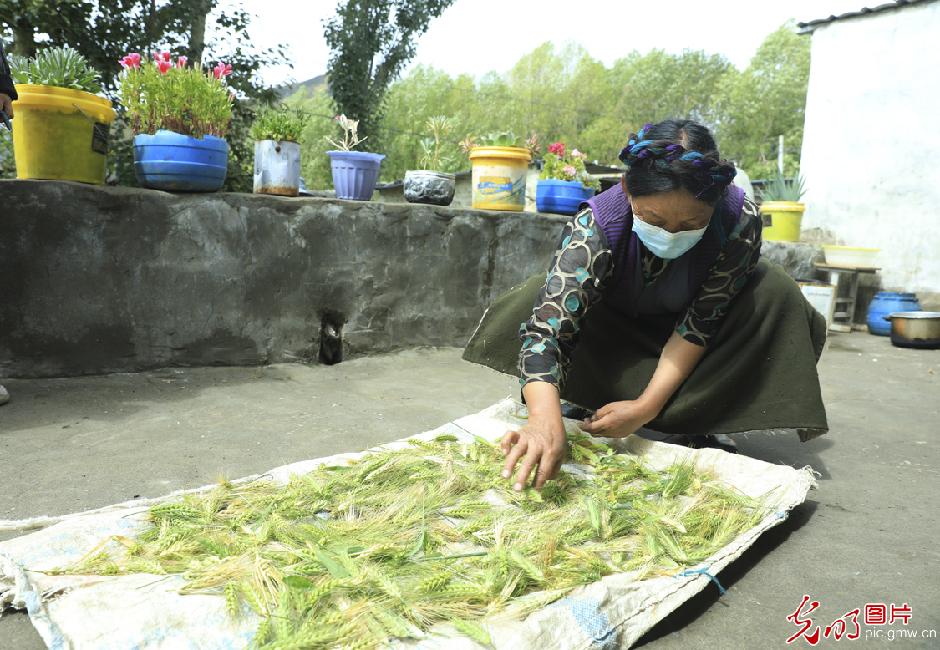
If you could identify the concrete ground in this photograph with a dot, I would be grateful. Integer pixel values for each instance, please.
(869, 534)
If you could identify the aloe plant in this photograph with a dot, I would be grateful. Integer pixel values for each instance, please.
(434, 154)
(57, 66)
(782, 189)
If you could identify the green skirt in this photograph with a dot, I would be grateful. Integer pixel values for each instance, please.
(759, 371)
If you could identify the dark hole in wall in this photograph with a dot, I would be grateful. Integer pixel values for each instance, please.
(331, 337)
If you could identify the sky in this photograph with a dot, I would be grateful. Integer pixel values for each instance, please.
(480, 36)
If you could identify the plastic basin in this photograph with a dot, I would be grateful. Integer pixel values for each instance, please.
(560, 197)
(174, 162)
(851, 256)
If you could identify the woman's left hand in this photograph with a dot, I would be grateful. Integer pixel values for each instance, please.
(619, 419)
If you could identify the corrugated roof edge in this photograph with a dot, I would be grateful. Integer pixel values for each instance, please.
(810, 26)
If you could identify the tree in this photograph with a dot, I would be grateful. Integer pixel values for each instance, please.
(371, 41)
(410, 102)
(765, 101)
(197, 30)
(59, 20)
(659, 85)
(101, 31)
(537, 82)
(315, 164)
(105, 30)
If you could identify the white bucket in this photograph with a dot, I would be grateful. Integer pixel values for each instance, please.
(822, 297)
(277, 168)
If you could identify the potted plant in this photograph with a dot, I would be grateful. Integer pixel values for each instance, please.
(62, 125)
(277, 151)
(430, 184)
(355, 173)
(564, 182)
(179, 115)
(499, 164)
(780, 205)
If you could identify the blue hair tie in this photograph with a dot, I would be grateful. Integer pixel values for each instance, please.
(691, 155)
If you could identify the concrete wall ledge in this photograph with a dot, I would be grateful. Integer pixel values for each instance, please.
(104, 279)
(114, 279)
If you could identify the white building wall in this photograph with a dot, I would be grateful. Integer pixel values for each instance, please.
(871, 146)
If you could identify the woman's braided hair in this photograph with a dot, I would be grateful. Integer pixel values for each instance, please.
(676, 154)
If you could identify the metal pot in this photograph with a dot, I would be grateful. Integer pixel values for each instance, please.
(277, 168)
(915, 329)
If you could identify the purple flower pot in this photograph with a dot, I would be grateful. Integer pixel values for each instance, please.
(355, 173)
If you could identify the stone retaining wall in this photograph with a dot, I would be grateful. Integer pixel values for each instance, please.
(104, 279)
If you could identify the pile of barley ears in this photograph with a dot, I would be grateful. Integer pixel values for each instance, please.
(398, 541)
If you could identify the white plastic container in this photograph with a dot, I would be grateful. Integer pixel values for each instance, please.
(822, 297)
(852, 256)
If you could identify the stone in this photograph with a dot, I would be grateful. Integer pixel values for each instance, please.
(796, 258)
(435, 188)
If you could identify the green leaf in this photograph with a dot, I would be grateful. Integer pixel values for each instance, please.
(331, 564)
(299, 582)
(421, 544)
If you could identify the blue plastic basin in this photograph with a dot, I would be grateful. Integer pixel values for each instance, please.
(560, 197)
(180, 163)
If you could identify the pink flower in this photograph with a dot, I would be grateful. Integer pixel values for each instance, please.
(569, 171)
(558, 149)
(164, 66)
(132, 60)
(222, 70)
(181, 62)
(164, 56)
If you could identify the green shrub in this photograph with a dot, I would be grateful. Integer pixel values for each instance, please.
(280, 125)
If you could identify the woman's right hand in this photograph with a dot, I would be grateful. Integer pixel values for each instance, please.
(540, 445)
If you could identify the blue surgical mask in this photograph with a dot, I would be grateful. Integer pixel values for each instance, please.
(665, 244)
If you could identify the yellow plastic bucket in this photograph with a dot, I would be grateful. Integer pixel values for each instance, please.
(61, 134)
(784, 217)
(499, 175)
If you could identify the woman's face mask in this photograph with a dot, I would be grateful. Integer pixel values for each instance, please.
(670, 223)
(665, 244)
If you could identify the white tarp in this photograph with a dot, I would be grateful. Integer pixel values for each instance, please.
(146, 611)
